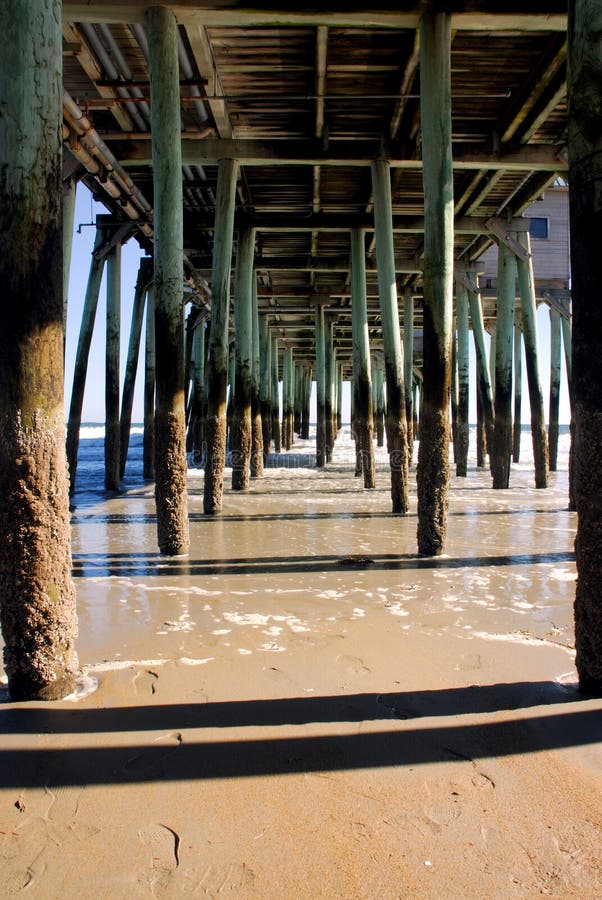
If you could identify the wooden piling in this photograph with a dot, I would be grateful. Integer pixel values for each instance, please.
(518, 371)
(501, 450)
(275, 396)
(462, 428)
(481, 440)
(554, 407)
(170, 417)
(113, 338)
(432, 476)
(256, 424)
(231, 391)
(81, 358)
(148, 440)
(454, 392)
(362, 381)
(484, 389)
(585, 191)
(320, 387)
(265, 384)
(408, 368)
(143, 279)
(37, 595)
(526, 285)
(307, 382)
(298, 381)
(217, 363)
(328, 388)
(567, 342)
(288, 406)
(199, 412)
(395, 422)
(240, 443)
(378, 400)
(339, 398)
(69, 192)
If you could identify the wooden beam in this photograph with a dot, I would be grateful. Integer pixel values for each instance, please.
(332, 222)
(340, 264)
(517, 16)
(84, 55)
(531, 158)
(534, 88)
(203, 54)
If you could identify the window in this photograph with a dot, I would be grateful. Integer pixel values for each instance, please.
(538, 228)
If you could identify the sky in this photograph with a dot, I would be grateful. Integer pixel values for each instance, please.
(93, 409)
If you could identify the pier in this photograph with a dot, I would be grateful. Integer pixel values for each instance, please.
(316, 192)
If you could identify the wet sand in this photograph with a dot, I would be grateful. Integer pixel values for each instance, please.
(303, 708)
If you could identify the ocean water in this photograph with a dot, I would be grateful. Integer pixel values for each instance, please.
(306, 555)
(90, 465)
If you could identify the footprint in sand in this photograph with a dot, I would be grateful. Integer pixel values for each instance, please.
(164, 845)
(64, 805)
(223, 879)
(354, 664)
(145, 682)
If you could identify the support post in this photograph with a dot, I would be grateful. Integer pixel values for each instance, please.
(170, 414)
(462, 428)
(69, 191)
(567, 341)
(288, 403)
(265, 385)
(362, 381)
(481, 439)
(148, 440)
(555, 365)
(320, 387)
(328, 389)
(81, 358)
(113, 339)
(408, 367)
(378, 399)
(585, 187)
(298, 380)
(518, 372)
(198, 390)
(485, 391)
(217, 366)
(275, 396)
(432, 477)
(256, 425)
(526, 285)
(501, 450)
(240, 442)
(129, 383)
(395, 423)
(339, 403)
(37, 595)
(454, 393)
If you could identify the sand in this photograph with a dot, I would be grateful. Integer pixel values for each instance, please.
(302, 708)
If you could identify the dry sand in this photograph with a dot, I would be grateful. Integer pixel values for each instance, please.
(302, 708)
